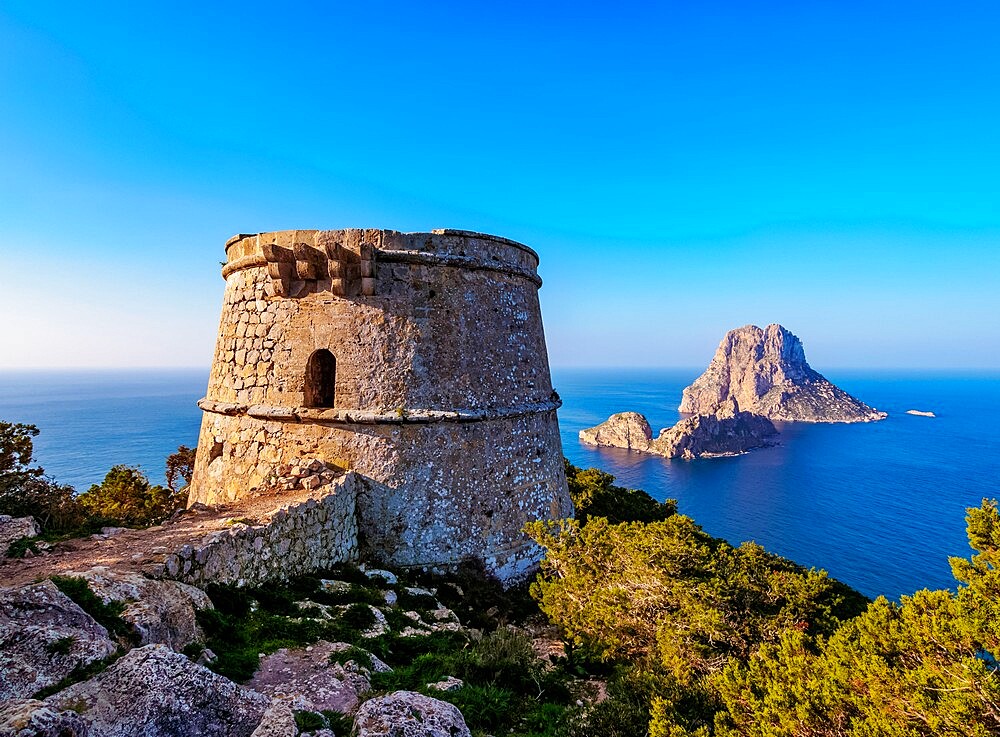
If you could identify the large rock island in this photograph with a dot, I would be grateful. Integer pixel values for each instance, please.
(727, 431)
(766, 372)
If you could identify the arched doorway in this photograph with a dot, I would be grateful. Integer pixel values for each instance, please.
(321, 379)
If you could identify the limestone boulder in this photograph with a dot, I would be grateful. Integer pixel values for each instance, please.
(161, 611)
(154, 692)
(14, 528)
(309, 677)
(448, 683)
(44, 636)
(628, 430)
(278, 721)
(409, 714)
(32, 718)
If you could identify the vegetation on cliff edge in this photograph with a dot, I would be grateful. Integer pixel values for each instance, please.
(125, 497)
(709, 639)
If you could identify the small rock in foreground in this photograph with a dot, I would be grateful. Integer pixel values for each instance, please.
(308, 676)
(409, 714)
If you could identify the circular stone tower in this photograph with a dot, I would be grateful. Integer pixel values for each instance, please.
(416, 360)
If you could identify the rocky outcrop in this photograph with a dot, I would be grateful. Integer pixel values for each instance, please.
(310, 680)
(766, 372)
(14, 528)
(32, 718)
(278, 721)
(44, 636)
(161, 612)
(726, 431)
(154, 692)
(628, 430)
(409, 714)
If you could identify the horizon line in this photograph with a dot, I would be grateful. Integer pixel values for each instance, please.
(554, 367)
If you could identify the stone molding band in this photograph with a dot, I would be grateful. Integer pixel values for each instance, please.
(423, 258)
(244, 262)
(368, 417)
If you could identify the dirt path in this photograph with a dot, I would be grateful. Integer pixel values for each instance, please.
(135, 549)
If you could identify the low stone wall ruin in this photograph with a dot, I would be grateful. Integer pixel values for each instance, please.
(317, 533)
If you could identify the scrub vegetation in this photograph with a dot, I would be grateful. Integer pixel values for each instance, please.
(124, 498)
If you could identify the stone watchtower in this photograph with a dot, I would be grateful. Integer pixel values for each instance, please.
(416, 360)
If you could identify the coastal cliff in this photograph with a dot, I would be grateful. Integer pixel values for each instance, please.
(766, 372)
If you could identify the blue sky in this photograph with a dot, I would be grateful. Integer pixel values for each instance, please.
(682, 168)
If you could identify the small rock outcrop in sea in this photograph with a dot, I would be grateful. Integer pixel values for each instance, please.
(766, 372)
(920, 413)
(628, 430)
(727, 431)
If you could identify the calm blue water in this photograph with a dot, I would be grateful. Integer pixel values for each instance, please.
(93, 420)
(880, 505)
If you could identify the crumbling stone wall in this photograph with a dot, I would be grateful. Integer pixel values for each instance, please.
(442, 400)
(315, 534)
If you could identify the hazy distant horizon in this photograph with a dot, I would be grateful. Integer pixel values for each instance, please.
(979, 371)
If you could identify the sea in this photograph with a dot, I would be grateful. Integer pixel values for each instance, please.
(880, 506)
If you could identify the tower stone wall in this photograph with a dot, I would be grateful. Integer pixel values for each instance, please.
(436, 387)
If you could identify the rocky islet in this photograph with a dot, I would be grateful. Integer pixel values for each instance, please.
(757, 375)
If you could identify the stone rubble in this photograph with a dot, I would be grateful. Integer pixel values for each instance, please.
(449, 683)
(305, 473)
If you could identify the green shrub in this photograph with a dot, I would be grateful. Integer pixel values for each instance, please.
(62, 646)
(20, 547)
(357, 654)
(484, 707)
(126, 496)
(358, 617)
(594, 495)
(309, 721)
